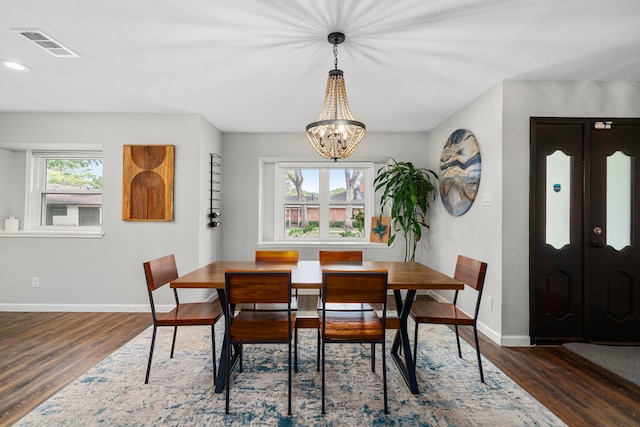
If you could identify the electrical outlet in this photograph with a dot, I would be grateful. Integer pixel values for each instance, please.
(490, 302)
(35, 282)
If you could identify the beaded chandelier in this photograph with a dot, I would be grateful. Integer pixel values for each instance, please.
(335, 134)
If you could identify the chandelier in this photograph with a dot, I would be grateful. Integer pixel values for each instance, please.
(335, 134)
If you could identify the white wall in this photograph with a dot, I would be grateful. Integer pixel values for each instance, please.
(210, 239)
(107, 274)
(475, 234)
(241, 182)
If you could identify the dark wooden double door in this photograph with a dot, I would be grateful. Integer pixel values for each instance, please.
(585, 230)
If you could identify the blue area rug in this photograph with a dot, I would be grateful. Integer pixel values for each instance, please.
(180, 390)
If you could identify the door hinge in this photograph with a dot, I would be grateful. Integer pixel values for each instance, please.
(603, 125)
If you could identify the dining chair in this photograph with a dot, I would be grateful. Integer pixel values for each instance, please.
(471, 272)
(302, 321)
(312, 321)
(342, 257)
(353, 326)
(159, 272)
(258, 326)
(277, 256)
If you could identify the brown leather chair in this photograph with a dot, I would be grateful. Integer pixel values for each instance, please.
(471, 272)
(158, 273)
(258, 326)
(353, 326)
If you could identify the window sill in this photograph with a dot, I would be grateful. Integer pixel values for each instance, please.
(56, 234)
(317, 244)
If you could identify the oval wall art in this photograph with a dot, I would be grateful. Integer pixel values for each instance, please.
(460, 167)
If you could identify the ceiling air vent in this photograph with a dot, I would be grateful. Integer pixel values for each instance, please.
(48, 44)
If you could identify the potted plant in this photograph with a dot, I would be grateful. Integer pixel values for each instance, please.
(409, 191)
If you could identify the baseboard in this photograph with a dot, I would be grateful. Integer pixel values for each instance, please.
(501, 340)
(94, 308)
(102, 308)
(515, 341)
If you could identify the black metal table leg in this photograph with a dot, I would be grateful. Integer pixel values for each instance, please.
(405, 364)
(224, 357)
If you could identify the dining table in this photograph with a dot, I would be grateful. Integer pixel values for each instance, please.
(409, 277)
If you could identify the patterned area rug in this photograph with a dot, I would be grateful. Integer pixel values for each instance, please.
(180, 390)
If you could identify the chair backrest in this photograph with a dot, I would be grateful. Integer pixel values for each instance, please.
(160, 271)
(277, 256)
(327, 257)
(258, 286)
(471, 272)
(354, 286)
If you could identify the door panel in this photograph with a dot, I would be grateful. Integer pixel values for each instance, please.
(557, 308)
(614, 253)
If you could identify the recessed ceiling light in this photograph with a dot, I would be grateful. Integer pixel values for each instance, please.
(14, 65)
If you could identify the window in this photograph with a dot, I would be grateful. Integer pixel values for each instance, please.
(321, 202)
(65, 192)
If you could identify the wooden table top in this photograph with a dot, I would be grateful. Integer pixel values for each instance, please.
(308, 274)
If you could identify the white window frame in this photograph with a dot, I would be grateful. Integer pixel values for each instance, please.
(36, 177)
(323, 202)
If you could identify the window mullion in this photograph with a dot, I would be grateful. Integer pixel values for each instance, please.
(324, 203)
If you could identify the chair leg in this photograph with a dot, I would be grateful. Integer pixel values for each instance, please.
(384, 377)
(318, 345)
(153, 341)
(213, 347)
(458, 341)
(415, 347)
(373, 357)
(289, 372)
(227, 376)
(475, 334)
(240, 355)
(295, 350)
(173, 343)
(323, 375)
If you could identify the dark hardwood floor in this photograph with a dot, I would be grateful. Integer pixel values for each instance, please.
(40, 353)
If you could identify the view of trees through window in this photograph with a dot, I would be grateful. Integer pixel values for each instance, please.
(330, 198)
(76, 173)
(72, 192)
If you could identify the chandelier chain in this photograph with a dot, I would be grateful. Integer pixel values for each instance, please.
(335, 54)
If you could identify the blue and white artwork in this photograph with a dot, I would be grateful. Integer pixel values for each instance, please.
(460, 168)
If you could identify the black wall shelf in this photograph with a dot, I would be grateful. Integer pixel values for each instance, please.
(215, 181)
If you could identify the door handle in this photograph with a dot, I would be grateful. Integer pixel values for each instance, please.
(598, 245)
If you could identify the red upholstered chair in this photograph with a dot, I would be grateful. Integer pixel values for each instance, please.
(158, 273)
(471, 272)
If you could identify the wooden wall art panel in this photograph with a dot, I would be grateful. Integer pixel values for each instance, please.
(147, 182)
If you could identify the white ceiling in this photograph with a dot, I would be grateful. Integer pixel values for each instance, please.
(261, 65)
